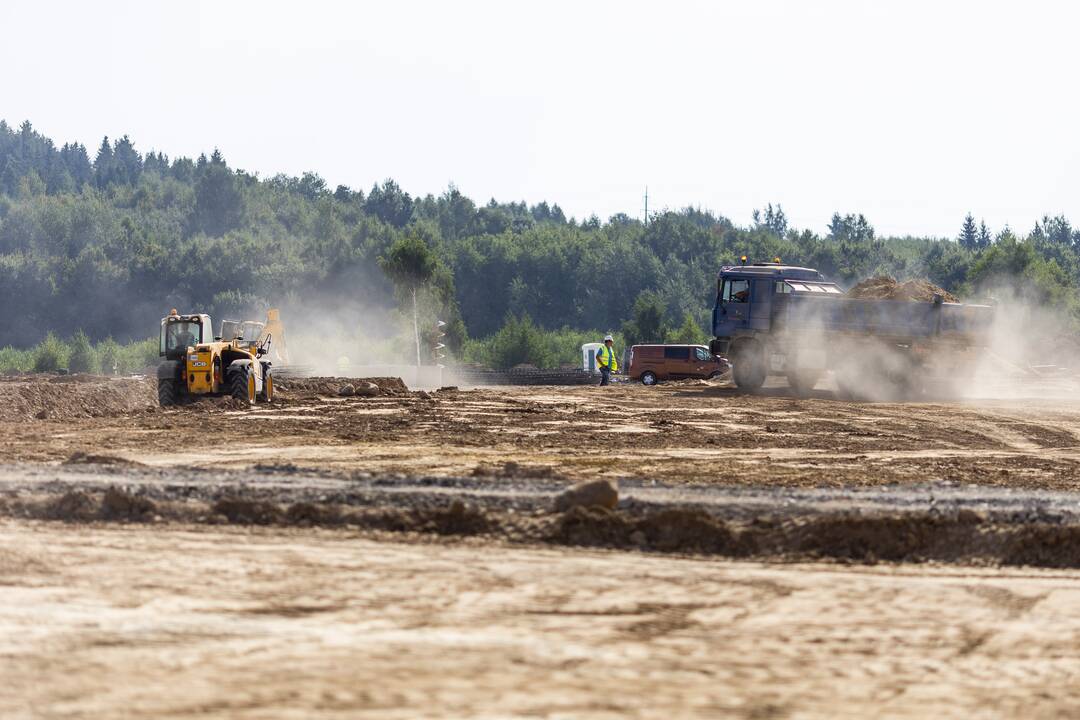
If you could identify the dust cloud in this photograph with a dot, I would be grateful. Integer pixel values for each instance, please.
(1030, 348)
(334, 338)
(1025, 348)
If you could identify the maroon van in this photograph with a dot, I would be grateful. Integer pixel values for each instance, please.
(652, 363)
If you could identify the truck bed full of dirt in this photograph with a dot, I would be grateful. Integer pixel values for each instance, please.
(887, 288)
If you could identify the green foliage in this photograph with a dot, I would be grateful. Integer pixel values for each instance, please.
(79, 355)
(969, 234)
(689, 332)
(520, 341)
(648, 324)
(82, 357)
(219, 205)
(108, 246)
(51, 354)
(15, 360)
(409, 263)
(139, 357)
(109, 354)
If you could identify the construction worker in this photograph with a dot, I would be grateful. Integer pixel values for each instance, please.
(605, 358)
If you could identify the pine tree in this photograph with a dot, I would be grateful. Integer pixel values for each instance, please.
(774, 220)
(103, 164)
(127, 163)
(969, 234)
(77, 163)
(985, 238)
(219, 204)
(854, 228)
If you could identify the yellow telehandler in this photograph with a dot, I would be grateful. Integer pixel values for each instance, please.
(195, 362)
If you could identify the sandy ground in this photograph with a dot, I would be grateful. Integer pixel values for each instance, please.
(396, 605)
(125, 622)
(696, 432)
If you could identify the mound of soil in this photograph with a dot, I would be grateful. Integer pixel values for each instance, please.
(73, 505)
(245, 512)
(47, 397)
(331, 385)
(887, 288)
(82, 458)
(121, 505)
(669, 530)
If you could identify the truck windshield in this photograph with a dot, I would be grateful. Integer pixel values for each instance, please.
(182, 335)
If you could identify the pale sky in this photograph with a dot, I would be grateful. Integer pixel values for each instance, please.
(911, 112)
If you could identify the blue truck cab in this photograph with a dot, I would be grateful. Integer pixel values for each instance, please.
(773, 319)
(744, 298)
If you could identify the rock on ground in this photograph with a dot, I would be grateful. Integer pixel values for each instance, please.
(589, 493)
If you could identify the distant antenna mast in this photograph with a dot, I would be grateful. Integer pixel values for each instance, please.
(646, 205)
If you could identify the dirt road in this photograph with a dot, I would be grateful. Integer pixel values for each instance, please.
(399, 556)
(133, 621)
(699, 433)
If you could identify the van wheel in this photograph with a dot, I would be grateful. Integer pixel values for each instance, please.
(648, 378)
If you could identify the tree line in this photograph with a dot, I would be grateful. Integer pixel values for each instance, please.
(105, 245)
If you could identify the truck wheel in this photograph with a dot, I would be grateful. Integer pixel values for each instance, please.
(648, 378)
(748, 367)
(267, 394)
(242, 385)
(803, 381)
(166, 392)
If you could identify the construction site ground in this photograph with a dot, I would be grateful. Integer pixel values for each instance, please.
(400, 555)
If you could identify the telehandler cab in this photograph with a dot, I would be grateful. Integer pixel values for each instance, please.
(198, 363)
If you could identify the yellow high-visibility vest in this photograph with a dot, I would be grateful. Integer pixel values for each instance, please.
(606, 357)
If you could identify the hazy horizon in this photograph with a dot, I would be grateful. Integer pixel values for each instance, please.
(913, 114)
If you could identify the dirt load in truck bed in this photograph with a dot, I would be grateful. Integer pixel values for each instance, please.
(887, 288)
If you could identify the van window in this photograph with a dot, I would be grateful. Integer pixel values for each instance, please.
(782, 288)
(736, 291)
(702, 354)
(676, 353)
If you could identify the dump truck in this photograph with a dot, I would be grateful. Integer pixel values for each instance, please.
(196, 362)
(779, 320)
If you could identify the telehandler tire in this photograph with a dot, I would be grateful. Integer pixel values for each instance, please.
(267, 394)
(242, 385)
(166, 392)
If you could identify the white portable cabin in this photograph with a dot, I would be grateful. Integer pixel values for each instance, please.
(588, 356)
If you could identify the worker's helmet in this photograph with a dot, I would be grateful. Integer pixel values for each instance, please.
(608, 337)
